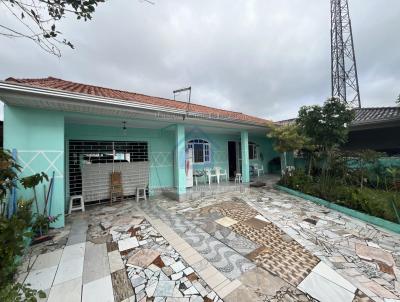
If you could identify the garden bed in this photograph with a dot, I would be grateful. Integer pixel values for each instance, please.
(389, 225)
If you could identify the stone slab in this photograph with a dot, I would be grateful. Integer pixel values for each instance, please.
(96, 262)
(115, 261)
(75, 251)
(47, 260)
(128, 244)
(121, 285)
(76, 238)
(370, 253)
(98, 290)
(143, 258)
(69, 270)
(324, 290)
(379, 290)
(69, 291)
(164, 289)
(42, 278)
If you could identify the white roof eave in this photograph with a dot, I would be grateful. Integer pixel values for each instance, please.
(7, 89)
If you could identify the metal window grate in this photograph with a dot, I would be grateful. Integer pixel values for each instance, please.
(91, 162)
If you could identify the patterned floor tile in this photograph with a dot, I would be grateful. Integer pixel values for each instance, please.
(236, 210)
(227, 260)
(287, 259)
(239, 243)
(226, 221)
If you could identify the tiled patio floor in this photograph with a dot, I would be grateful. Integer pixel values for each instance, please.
(256, 245)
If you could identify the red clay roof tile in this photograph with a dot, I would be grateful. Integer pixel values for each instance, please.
(59, 84)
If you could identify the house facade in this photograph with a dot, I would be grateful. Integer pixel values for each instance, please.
(80, 134)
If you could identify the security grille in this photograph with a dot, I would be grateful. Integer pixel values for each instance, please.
(92, 162)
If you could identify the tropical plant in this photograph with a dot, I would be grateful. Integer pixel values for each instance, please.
(366, 159)
(287, 138)
(42, 223)
(394, 172)
(14, 230)
(32, 182)
(327, 128)
(8, 175)
(18, 292)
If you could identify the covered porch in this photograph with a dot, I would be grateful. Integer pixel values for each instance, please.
(182, 160)
(156, 151)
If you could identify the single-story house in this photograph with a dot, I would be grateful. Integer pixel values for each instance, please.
(83, 133)
(376, 128)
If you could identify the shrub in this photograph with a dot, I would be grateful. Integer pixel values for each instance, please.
(14, 231)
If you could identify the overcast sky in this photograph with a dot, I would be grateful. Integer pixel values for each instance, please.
(266, 58)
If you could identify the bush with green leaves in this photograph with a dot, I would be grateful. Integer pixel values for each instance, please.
(375, 202)
(14, 232)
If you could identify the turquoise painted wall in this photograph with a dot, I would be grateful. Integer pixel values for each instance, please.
(41, 138)
(38, 136)
(219, 148)
(265, 151)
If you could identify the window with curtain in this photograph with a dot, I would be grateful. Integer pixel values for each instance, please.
(200, 149)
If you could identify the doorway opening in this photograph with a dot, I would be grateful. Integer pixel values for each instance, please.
(232, 159)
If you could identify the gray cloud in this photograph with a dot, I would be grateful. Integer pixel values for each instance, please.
(265, 58)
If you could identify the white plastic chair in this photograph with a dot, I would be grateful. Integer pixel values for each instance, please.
(220, 172)
(199, 174)
(80, 206)
(210, 174)
(238, 178)
(258, 170)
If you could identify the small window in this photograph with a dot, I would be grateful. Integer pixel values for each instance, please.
(201, 150)
(252, 151)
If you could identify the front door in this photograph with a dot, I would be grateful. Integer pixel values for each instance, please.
(232, 159)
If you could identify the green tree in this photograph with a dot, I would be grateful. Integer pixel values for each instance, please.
(326, 126)
(286, 138)
(38, 20)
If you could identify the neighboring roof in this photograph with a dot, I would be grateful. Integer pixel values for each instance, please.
(59, 84)
(286, 122)
(376, 115)
(369, 115)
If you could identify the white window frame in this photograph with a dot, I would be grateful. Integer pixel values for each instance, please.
(255, 153)
(206, 149)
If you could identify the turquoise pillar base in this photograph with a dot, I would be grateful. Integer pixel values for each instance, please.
(244, 136)
(179, 166)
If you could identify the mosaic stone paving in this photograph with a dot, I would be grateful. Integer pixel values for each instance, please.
(228, 261)
(333, 237)
(280, 254)
(239, 243)
(234, 209)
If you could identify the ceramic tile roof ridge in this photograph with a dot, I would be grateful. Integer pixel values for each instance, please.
(65, 85)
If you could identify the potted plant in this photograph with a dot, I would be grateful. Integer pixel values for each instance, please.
(42, 224)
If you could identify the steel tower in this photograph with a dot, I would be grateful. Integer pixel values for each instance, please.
(343, 60)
